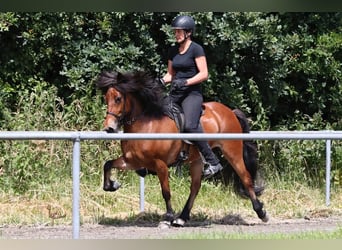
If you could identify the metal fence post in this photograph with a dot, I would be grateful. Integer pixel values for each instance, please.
(142, 194)
(327, 173)
(76, 188)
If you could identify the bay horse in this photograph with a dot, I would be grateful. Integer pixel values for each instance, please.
(135, 103)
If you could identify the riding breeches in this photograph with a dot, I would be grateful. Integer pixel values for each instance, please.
(192, 108)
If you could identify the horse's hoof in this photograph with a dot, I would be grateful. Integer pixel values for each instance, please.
(178, 222)
(265, 218)
(114, 185)
(169, 217)
(164, 225)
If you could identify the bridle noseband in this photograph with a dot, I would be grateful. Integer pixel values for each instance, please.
(118, 117)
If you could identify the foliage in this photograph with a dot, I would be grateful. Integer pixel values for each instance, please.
(297, 160)
(26, 165)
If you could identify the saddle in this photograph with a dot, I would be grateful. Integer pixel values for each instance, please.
(175, 112)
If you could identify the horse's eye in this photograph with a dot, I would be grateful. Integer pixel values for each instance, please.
(117, 99)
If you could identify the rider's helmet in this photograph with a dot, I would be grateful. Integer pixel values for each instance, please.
(186, 23)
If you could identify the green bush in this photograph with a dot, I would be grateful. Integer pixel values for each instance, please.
(300, 160)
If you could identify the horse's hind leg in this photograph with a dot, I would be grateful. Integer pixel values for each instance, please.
(108, 184)
(233, 152)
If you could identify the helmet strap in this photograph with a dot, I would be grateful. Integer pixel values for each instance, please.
(186, 36)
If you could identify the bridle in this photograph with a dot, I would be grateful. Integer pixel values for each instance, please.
(119, 118)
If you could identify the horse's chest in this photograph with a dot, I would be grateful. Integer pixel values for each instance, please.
(134, 151)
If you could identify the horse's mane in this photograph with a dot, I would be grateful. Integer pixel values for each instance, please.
(140, 85)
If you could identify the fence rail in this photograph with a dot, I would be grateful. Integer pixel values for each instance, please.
(78, 136)
(94, 135)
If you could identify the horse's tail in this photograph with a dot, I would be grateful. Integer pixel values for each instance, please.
(250, 157)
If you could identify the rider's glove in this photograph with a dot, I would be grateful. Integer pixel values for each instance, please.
(179, 84)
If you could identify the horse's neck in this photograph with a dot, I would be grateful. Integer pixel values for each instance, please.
(135, 112)
(151, 125)
(140, 123)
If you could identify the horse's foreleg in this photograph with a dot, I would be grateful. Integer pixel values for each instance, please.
(196, 177)
(108, 184)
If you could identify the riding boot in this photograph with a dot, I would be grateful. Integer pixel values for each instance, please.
(212, 163)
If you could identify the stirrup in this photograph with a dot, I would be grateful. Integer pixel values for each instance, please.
(211, 170)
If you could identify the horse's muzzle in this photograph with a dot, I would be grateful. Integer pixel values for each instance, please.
(111, 126)
(110, 130)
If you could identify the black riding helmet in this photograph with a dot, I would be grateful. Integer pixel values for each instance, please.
(183, 22)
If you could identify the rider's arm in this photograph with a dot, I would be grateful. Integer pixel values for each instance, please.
(202, 74)
(170, 72)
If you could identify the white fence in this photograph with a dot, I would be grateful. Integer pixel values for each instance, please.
(77, 137)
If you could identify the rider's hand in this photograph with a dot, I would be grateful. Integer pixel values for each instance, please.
(178, 84)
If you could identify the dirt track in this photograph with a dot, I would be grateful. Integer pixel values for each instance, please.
(143, 230)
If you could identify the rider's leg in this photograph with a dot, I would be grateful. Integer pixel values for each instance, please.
(192, 107)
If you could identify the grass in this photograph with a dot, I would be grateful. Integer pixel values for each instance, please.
(214, 202)
(310, 235)
(51, 204)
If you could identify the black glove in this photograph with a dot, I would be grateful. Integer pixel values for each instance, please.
(178, 84)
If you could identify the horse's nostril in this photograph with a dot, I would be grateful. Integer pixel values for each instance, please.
(109, 130)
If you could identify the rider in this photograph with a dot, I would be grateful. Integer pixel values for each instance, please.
(186, 69)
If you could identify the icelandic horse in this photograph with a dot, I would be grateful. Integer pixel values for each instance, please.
(135, 103)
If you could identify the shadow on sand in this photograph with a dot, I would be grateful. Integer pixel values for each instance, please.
(150, 219)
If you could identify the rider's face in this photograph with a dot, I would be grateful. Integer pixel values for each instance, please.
(179, 35)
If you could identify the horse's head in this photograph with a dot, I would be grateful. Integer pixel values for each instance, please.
(115, 100)
(129, 97)
(116, 110)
